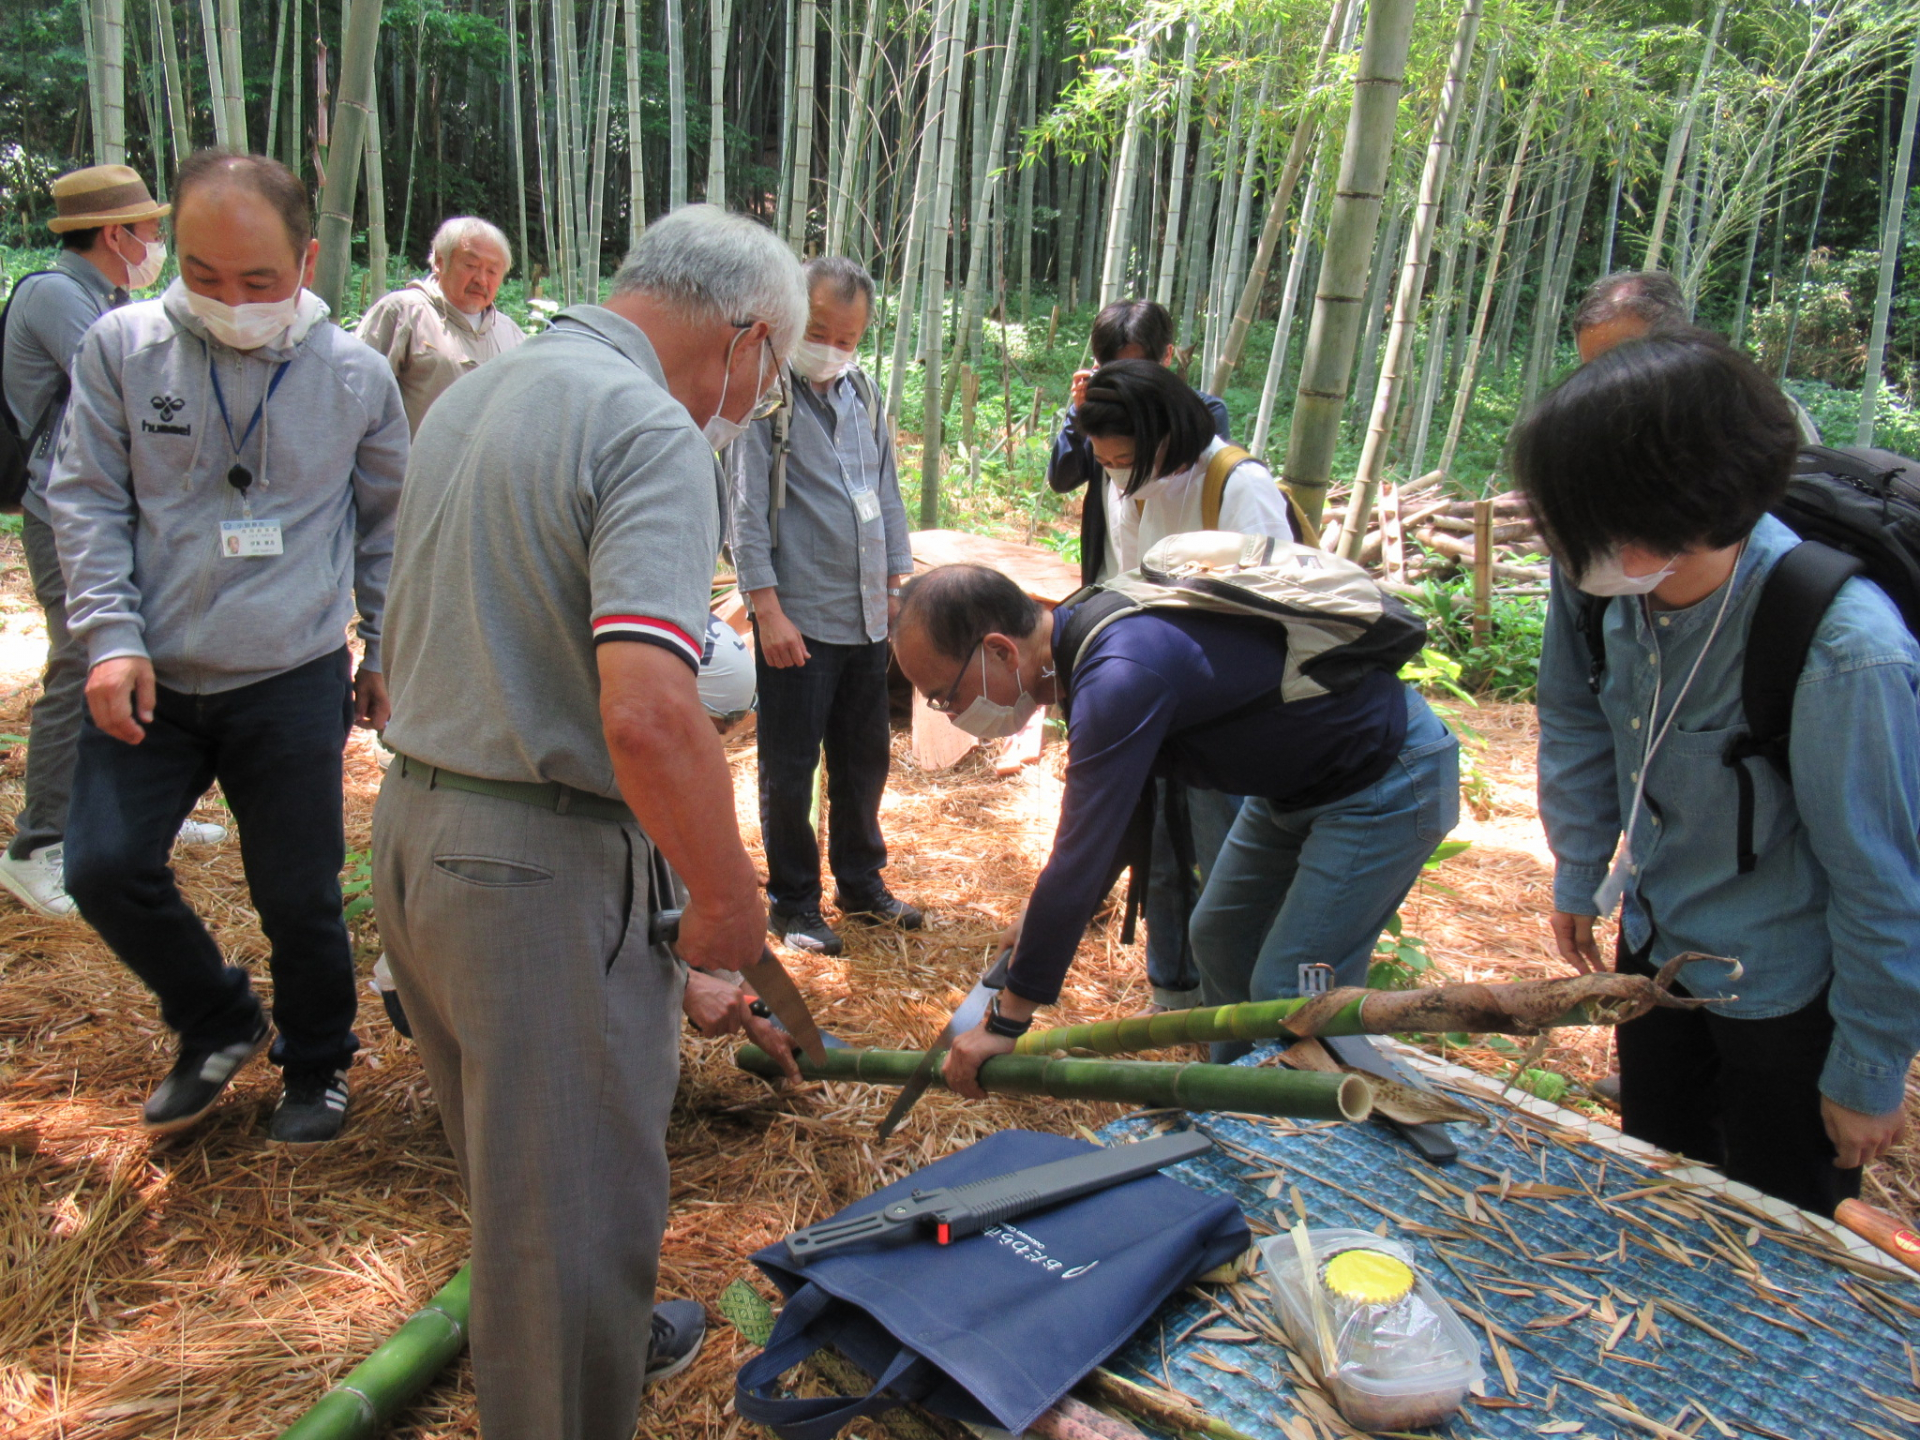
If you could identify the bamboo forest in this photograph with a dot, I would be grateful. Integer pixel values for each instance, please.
(1368, 220)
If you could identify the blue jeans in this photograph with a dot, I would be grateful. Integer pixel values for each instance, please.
(836, 701)
(55, 731)
(1170, 964)
(275, 748)
(1317, 886)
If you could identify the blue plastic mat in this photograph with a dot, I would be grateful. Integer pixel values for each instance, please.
(1805, 1351)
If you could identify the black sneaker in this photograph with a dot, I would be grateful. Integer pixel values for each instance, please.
(312, 1108)
(885, 908)
(196, 1082)
(679, 1329)
(805, 930)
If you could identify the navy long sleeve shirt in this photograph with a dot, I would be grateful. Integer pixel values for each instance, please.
(1141, 682)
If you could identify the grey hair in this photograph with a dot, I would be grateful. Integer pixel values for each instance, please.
(719, 267)
(462, 228)
(846, 278)
(1650, 295)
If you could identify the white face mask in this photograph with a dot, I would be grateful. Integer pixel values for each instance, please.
(245, 327)
(987, 719)
(720, 431)
(1605, 575)
(821, 363)
(143, 274)
(1119, 477)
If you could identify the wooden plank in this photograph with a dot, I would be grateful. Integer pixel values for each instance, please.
(938, 743)
(1039, 572)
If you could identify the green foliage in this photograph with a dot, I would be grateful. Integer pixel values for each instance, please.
(1507, 665)
(1826, 319)
(356, 885)
(1542, 1084)
(1896, 422)
(1400, 959)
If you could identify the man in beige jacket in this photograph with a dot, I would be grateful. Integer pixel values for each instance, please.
(435, 330)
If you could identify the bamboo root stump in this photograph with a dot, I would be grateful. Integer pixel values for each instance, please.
(1522, 1007)
(1253, 1091)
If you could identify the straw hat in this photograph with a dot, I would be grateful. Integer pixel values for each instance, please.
(102, 195)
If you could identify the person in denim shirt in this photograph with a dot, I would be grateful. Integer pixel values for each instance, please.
(1651, 471)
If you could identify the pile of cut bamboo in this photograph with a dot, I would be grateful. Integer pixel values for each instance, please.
(1424, 534)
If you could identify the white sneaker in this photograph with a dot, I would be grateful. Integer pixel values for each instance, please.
(40, 881)
(200, 832)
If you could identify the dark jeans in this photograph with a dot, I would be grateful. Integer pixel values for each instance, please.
(1741, 1095)
(275, 748)
(55, 730)
(837, 700)
(1171, 968)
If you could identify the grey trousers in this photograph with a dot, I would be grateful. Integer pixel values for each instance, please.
(55, 732)
(550, 1031)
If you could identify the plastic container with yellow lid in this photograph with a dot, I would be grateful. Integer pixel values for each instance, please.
(1401, 1358)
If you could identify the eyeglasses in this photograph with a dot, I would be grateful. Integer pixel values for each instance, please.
(776, 397)
(944, 705)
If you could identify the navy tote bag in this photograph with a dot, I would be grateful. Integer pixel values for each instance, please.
(997, 1327)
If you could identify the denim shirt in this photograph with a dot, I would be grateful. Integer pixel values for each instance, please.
(843, 532)
(1835, 895)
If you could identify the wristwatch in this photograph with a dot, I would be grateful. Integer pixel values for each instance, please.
(998, 1024)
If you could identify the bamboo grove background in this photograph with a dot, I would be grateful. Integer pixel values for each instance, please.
(1366, 215)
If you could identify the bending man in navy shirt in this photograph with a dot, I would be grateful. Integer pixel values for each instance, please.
(1348, 794)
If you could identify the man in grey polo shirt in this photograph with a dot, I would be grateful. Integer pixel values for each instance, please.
(820, 543)
(556, 544)
(109, 229)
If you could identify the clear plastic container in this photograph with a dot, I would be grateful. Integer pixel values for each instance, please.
(1401, 1357)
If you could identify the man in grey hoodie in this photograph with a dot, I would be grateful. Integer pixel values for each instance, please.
(223, 496)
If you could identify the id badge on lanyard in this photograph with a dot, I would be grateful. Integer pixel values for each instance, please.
(1613, 889)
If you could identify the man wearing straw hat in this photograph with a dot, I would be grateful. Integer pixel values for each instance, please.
(109, 229)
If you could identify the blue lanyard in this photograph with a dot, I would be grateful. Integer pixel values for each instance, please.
(258, 410)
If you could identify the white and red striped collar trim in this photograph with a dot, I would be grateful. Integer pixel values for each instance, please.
(646, 628)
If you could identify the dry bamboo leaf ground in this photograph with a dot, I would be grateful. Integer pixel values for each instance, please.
(210, 1286)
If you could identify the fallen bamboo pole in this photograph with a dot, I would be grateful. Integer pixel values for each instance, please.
(1302, 1095)
(360, 1406)
(1521, 1007)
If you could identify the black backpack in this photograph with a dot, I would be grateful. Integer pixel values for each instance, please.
(15, 448)
(1857, 512)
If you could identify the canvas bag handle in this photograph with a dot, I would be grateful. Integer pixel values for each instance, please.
(908, 1377)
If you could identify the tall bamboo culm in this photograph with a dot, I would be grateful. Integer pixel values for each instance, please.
(1328, 361)
(1413, 274)
(1889, 254)
(345, 154)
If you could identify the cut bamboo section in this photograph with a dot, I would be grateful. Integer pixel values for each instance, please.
(1523, 1007)
(1293, 1094)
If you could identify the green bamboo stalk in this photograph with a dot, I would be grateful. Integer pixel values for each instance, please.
(1306, 1095)
(1250, 1020)
(360, 1406)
